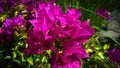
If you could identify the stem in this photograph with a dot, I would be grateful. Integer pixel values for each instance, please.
(86, 10)
(110, 37)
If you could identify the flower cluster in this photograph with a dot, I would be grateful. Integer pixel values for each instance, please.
(62, 33)
(5, 34)
(114, 56)
(9, 25)
(1, 9)
(6, 4)
(17, 21)
(104, 13)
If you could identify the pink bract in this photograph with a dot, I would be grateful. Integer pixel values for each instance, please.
(62, 33)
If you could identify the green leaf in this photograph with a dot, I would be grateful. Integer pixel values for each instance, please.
(17, 61)
(43, 59)
(106, 46)
(14, 55)
(30, 60)
(22, 56)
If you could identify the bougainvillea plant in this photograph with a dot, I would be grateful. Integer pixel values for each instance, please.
(62, 33)
(41, 27)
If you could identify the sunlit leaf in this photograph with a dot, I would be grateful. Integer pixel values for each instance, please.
(30, 60)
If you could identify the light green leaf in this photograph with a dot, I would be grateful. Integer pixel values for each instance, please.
(14, 55)
(30, 60)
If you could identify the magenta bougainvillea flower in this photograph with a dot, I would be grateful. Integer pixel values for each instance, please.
(104, 13)
(62, 33)
(6, 34)
(114, 56)
(7, 3)
(1, 9)
(9, 25)
(17, 21)
(28, 4)
(37, 43)
(26, 1)
(64, 61)
(72, 47)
